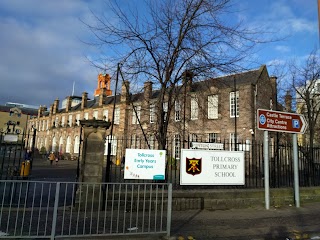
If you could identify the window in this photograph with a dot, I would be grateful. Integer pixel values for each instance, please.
(194, 108)
(60, 144)
(136, 114)
(105, 115)
(116, 115)
(233, 142)
(152, 113)
(63, 119)
(212, 106)
(113, 142)
(177, 107)
(78, 119)
(234, 104)
(86, 116)
(54, 144)
(151, 142)
(214, 137)
(47, 125)
(165, 111)
(70, 120)
(76, 144)
(95, 115)
(68, 146)
(176, 146)
(193, 137)
(133, 141)
(56, 122)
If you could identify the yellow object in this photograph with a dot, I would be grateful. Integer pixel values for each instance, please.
(25, 169)
(118, 162)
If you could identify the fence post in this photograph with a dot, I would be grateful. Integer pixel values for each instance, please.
(55, 212)
(169, 210)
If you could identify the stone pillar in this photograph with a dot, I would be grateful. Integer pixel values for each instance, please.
(92, 160)
(90, 167)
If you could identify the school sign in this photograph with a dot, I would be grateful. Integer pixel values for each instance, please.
(212, 167)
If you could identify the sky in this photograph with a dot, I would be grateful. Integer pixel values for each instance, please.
(45, 55)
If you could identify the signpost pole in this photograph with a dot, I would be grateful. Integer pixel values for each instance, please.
(266, 168)
(296, 170)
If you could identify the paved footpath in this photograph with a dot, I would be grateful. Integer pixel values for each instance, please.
(248, 224)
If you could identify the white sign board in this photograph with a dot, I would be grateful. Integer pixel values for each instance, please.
(10, 138)
(213, 146)
(145, 164)
(212, 167)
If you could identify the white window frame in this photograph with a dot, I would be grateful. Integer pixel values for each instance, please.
(194, 108)
(86, 116)
(152, 113)
(193, 137)
(176, 146)
(232, 141)
(165, 110)
(68, 145)
(213, 103)
(232, 104)
(76, 144)
(78, 119)
(96, 114)
(152, 142)
(116, 115)
(113, 145)
(177, 112)
(63, 119)
(56, 123)
(105, 114)
(70, 120)
(136, 117)
(214, 137)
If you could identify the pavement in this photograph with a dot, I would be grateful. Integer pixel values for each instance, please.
(283, 223)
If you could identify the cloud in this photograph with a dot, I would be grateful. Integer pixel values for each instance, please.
(42, 52)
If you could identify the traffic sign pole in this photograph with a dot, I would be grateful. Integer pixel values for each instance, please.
(277, 121)
(266, 169)
(296, 170)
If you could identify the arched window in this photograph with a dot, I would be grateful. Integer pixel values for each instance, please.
(54, 144)
(68, 147)
(76, 144)
(60, 144)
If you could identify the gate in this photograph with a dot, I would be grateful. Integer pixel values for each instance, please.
(13, 154)
(30, 209)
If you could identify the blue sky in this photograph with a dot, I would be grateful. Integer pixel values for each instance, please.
(43, 51)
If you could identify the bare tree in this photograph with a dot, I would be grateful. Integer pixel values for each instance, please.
(306, 85)
(170, 38)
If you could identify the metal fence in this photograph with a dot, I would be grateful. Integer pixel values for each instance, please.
(281, 163)
(13, 152)
(31, 209)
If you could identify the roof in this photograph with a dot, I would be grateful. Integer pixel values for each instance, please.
(25, 111)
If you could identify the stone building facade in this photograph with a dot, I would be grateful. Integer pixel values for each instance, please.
(215, 110)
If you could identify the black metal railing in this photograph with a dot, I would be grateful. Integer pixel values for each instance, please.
(280, 163)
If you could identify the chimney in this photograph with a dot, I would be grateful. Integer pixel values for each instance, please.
(51, 110)
(102, 99)
(147, 90)
(69, 102)
(84, 100)
(125, 89)
(55, 106)
(288, 102)
(187, 80)
(41, 110)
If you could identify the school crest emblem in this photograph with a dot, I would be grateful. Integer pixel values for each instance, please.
(193, 166)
